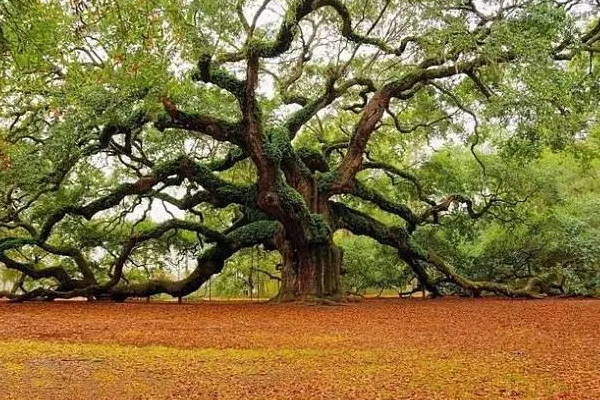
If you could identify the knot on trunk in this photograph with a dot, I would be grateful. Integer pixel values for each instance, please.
(269, 199)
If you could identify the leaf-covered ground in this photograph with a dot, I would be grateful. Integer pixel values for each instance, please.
(378, 349)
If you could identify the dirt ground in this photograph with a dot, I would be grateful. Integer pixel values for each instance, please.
(376, 349)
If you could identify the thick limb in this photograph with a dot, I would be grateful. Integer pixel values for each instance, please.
(209, 263)
(397, 237)
(535, 287)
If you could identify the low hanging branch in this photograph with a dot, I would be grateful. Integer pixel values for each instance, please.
(535, 288)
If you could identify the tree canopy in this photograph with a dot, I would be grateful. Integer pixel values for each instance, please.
(137, 132)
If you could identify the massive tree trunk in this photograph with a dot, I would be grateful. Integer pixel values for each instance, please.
(311, 261)
(310, 272)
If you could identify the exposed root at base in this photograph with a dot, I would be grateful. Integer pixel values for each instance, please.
(315, 300)
(324, 301)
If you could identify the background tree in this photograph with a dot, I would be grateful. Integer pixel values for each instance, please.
(552, 235)
(252, 273)
(370, 265)
(273, 123)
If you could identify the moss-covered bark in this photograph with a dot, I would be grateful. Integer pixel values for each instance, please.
(311, 272)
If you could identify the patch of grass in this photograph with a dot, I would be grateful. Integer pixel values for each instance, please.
(159, 370)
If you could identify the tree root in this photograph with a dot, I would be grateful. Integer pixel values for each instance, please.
(351, 295)
(322, 301)
(313, 300)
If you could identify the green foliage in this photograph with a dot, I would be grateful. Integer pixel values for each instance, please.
(87, 87)
(368, 264)
(245, 276)
(554, 234)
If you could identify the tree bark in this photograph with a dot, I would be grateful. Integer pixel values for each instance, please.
(309, 273)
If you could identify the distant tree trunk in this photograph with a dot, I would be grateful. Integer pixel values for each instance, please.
(18, 285)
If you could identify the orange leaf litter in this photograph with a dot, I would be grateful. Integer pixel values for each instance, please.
(376, 349)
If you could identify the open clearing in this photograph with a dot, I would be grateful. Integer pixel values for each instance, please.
(376, 349)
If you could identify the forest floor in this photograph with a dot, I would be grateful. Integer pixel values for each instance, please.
(375, 349)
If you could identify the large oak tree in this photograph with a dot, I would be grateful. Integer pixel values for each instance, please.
(110, 109)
